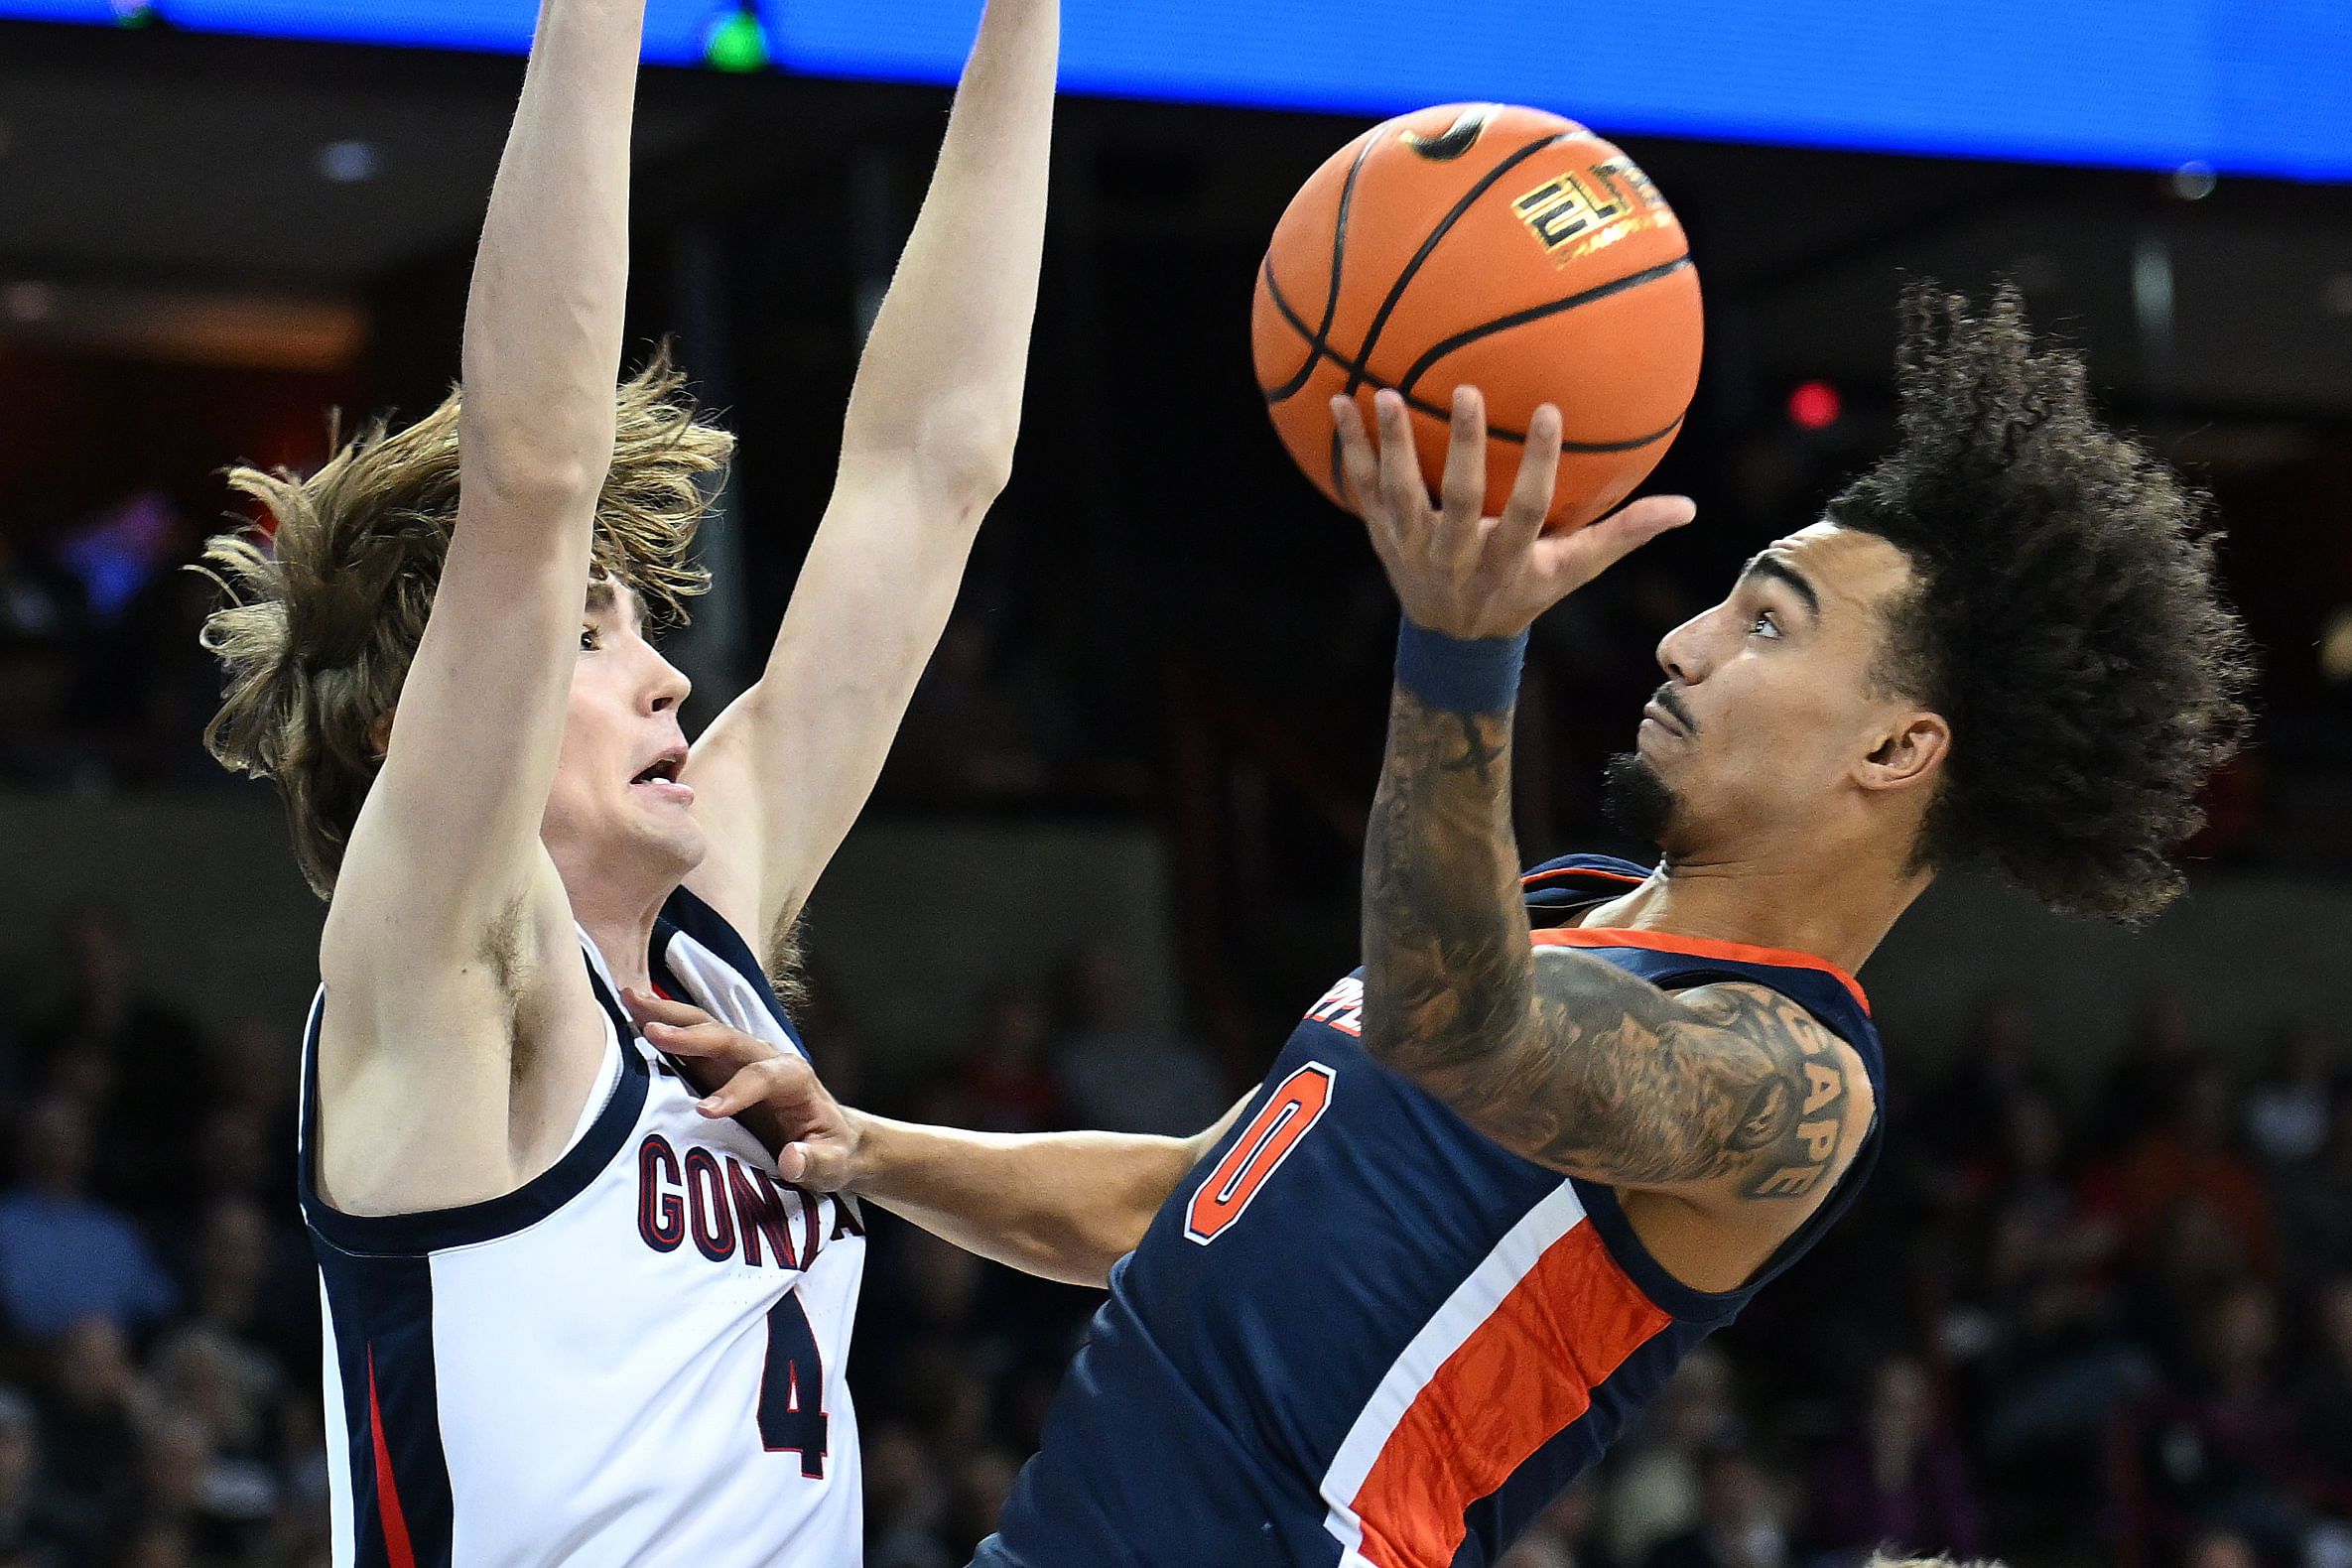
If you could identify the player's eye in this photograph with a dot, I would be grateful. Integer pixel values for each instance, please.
(587, 639)
(1764, 625)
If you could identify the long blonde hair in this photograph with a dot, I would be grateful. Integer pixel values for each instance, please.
(322, 616)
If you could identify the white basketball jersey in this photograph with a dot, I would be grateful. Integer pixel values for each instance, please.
(635, 1357)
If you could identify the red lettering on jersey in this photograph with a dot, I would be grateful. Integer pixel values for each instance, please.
(812, 1224)
(759, 1212)
(713, 1218)
(661, 1200)
(721, 1201)
(1342, 1008)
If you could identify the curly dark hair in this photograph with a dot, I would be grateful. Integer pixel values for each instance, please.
(2065, 615)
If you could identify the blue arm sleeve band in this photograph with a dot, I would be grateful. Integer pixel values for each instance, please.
(1480, 676)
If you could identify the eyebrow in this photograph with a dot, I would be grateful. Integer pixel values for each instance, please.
(600, 598)
(1771, 566)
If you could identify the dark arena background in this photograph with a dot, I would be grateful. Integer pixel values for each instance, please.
(2096, 1307)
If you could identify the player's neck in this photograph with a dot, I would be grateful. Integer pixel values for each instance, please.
(1837, 907)
(619, 921)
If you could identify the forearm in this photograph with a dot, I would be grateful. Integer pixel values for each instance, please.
(1448, 977)
(939, 383)
(451, 823)
(543, 319)
(927, 446)
(1062, 1205)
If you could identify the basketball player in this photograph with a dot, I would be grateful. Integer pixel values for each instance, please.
(1495, 1188)
(568, 1320)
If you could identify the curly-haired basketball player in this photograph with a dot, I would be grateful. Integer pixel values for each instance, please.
(570, 1320)
(1495, 1187)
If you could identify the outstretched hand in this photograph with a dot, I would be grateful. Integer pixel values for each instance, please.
(773, 1092)
(1466, 575)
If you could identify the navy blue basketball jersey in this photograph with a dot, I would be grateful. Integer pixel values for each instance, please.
(1361, 1332)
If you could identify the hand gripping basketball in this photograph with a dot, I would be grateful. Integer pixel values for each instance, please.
(1456, 570)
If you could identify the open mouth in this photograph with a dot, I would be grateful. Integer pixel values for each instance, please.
(661, 775)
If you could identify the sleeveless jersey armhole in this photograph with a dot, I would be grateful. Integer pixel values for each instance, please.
(600, 1094)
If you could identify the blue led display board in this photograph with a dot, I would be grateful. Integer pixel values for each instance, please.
(2252, 86)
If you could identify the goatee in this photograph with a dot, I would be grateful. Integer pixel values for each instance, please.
(1635, 799)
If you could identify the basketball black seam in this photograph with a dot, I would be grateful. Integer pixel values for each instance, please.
(1405, 278)
(1331, 302)
(1468, 126)
(1363, 377)
(1631, 280)
(1445, 226)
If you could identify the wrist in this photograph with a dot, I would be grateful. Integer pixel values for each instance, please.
(864, 1147)
(1462, 675)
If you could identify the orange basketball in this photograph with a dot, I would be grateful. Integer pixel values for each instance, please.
(1491, 246)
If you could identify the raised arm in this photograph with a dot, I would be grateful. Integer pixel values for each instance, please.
(1722, 1093)
(926, 447)
(445, 895)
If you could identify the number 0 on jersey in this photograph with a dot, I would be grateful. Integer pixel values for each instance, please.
(1263, 1145)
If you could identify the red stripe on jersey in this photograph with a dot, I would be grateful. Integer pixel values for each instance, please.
(1697, 947)
(396, 1546)
(1532, 877)
(1521, 1376)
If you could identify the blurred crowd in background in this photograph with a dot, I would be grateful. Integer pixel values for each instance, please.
(2110, 1328)
(101, 680)
(104, 684)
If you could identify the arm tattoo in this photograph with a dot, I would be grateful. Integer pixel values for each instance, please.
(1448, 973)
(1725, 1084)
(1568, 1060)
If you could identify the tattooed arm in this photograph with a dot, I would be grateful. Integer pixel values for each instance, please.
(1724, 1092)
(1728, 1089)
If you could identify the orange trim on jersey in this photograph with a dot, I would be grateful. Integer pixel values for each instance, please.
(395, 1522)
(1524, 1376)
(1698, 948)
(1532, 877)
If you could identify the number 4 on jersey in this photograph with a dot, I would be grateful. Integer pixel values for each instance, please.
(792, 1389)
(1297, 1105)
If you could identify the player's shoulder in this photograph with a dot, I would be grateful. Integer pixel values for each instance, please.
(1756, 1011)
(1753, 1008)
(1814, 1099)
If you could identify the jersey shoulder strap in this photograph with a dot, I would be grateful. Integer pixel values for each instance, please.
(713, 963)
(1560, 887)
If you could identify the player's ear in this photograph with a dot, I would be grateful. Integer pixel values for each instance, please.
(1908, 752)
(379, 734)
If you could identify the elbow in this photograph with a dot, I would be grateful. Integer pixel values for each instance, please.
(541, 482)
(966, 458)
(1081, 1248)
(958, 457)
(533, 465)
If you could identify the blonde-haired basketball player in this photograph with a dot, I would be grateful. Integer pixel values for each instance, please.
(570, 1320)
